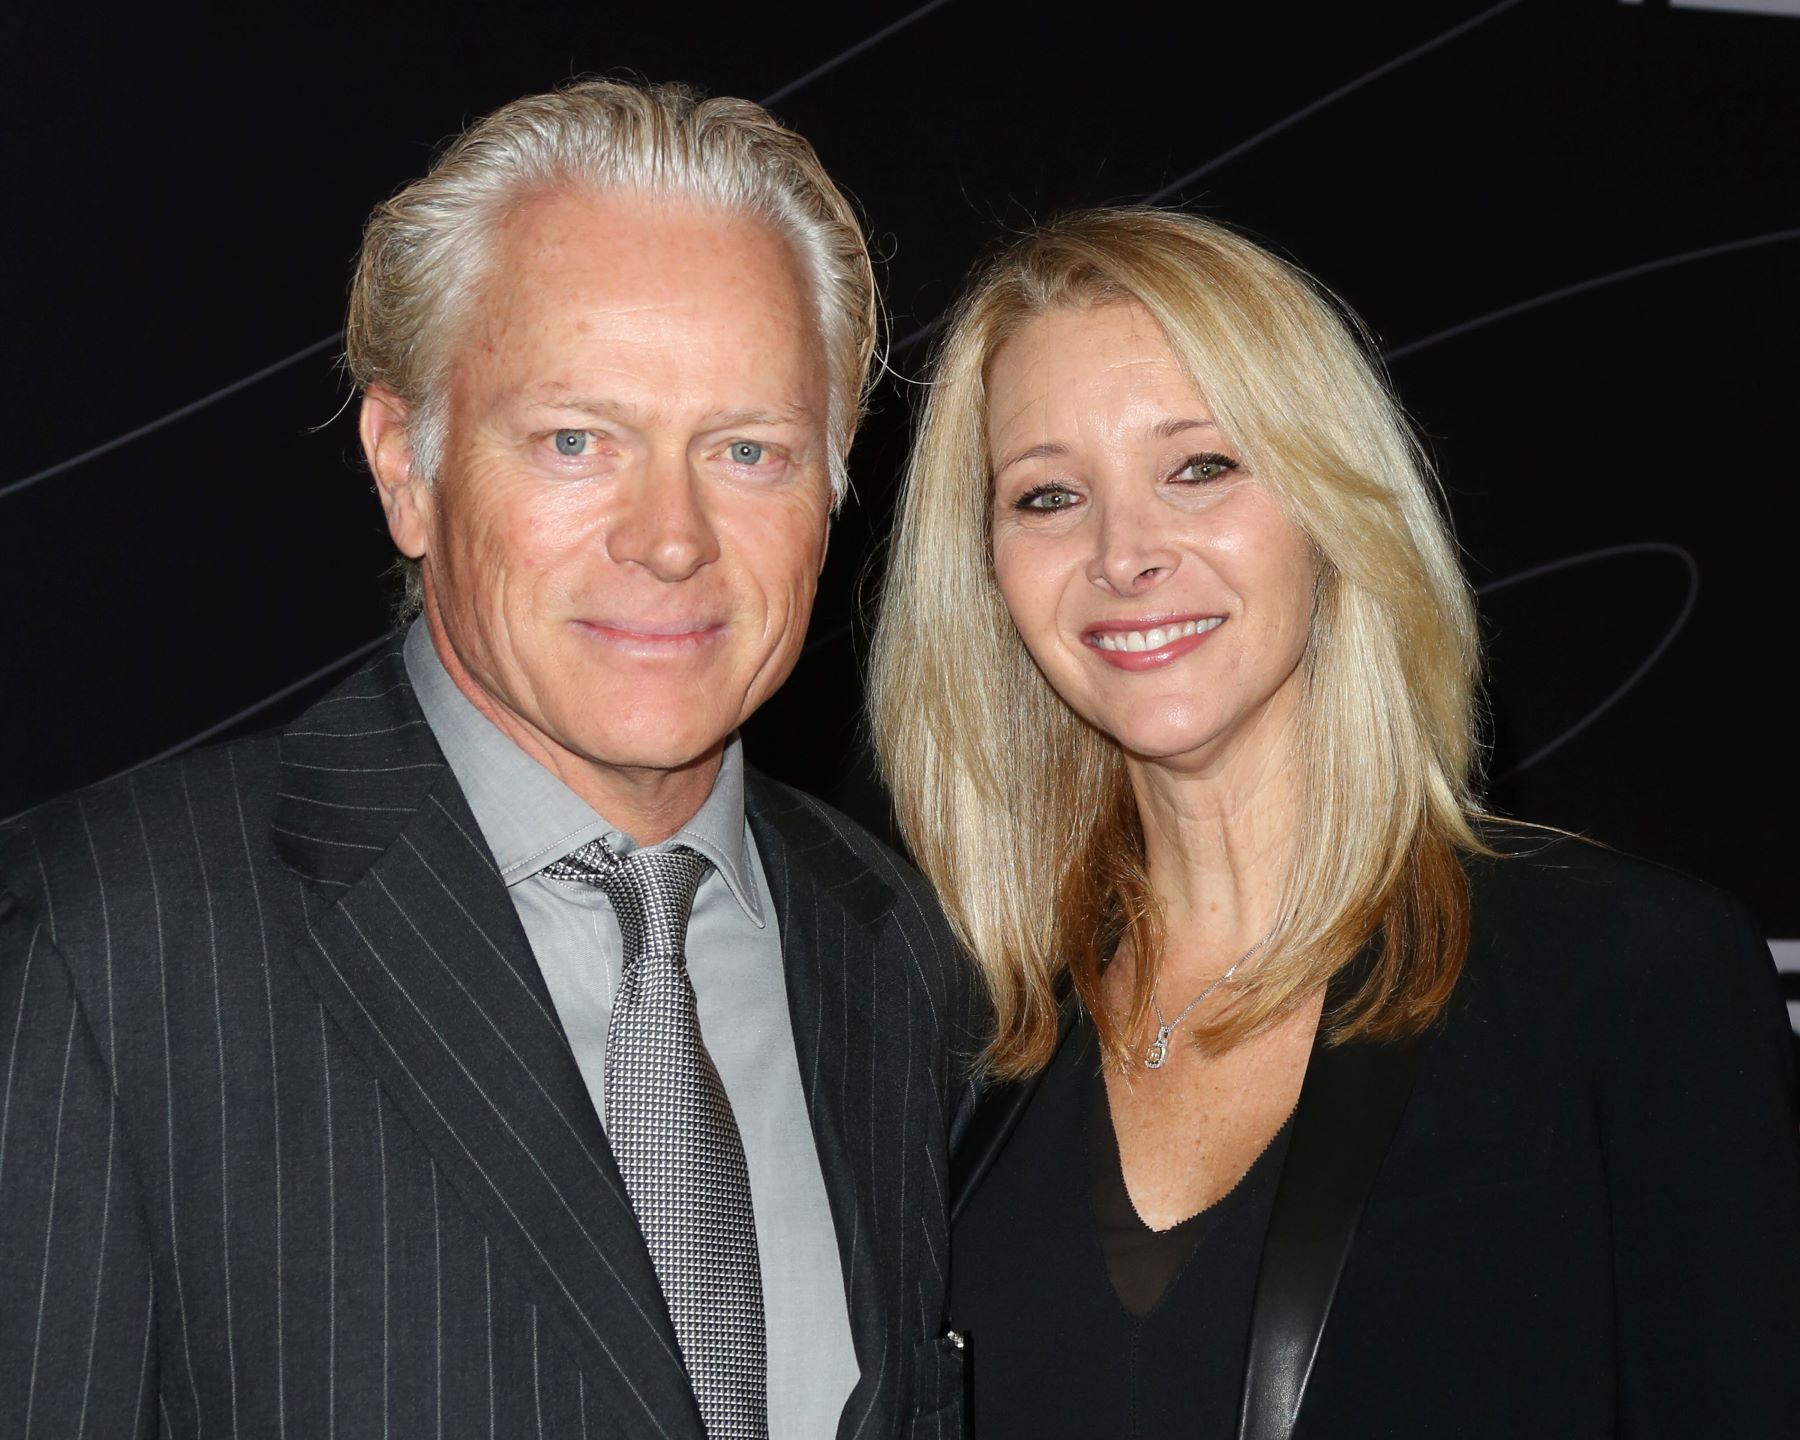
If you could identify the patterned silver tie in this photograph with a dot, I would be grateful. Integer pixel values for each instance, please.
(671, 1128)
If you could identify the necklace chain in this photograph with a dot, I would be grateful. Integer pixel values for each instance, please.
(1158, 1053)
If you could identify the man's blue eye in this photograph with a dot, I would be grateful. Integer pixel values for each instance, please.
(746, 452)
(571, 442)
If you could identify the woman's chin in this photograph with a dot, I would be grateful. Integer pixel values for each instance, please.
(1176, 751)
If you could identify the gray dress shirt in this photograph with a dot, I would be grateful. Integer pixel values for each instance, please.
(529, 818)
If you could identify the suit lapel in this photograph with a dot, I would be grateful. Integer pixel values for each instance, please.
(832, 910)
(415, 949)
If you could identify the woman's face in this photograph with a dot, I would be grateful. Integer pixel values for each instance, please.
(1153, 578)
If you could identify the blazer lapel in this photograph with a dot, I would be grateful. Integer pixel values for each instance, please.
(1350, 1104)
(415, 949)
(995, 1118)
(831, 910)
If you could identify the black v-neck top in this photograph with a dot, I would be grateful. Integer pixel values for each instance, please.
(1080, 1319)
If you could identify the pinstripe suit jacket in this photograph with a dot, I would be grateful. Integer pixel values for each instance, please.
(292, 1143)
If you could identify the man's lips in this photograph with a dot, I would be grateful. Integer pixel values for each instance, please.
(1150, 642)
(653, 637)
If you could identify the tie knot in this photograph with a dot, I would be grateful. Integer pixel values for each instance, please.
(652, 891)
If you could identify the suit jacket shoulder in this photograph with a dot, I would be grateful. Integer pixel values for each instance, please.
(86, 856)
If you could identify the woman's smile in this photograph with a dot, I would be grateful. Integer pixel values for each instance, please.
(1135, 646)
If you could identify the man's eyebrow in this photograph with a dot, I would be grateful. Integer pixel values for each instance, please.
(556, 398)
(784, 415)
(605, 407)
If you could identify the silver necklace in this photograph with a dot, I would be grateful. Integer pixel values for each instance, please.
(1158, 1054)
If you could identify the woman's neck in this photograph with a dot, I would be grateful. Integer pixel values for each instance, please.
(1218, 846)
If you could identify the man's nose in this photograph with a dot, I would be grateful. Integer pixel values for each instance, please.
(1130, 554)
(662, 522)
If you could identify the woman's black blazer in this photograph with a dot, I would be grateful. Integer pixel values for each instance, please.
(1571, 1209)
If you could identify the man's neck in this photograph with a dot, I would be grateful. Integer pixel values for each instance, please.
(648, 805)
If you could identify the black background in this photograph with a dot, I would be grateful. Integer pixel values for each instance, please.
(186, 189)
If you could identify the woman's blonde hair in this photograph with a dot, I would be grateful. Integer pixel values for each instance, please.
(1021, 814)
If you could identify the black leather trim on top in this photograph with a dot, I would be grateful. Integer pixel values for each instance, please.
(1350, 1105)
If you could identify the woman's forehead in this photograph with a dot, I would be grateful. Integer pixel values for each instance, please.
(1101, 370)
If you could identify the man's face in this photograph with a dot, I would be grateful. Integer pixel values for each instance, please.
(622, 546)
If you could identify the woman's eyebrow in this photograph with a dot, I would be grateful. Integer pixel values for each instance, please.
(1168, 429)
(1031, 452)
(1162, 430)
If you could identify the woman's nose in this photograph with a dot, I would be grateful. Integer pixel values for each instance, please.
(1130, 556)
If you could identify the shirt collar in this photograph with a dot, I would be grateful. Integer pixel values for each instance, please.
(529, 818)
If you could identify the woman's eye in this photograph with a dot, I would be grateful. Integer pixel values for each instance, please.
(572, 442)
(744, 452)
(1205, 467)
(1046, 497)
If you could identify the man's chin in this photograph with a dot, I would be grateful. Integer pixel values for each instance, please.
(668, 749)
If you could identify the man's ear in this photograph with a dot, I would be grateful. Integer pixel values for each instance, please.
(387, 445)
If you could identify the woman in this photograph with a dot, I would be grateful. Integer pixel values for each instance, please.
(1323, 1105)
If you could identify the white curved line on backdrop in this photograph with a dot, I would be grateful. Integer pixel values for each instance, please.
(332, 340)
(151, 427)
(777, 96)
(1588, 557)
(1582, 287)
(1311, 108)
(1175, 187)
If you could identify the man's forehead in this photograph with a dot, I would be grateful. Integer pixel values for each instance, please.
(631, 263)
(616, 321)
(648, 240)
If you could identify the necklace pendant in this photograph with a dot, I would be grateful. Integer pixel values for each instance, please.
(1159, 1049)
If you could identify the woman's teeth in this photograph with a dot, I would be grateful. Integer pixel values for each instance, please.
(1154, 639)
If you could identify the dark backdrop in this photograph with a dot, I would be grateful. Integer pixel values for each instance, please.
(1572, 223)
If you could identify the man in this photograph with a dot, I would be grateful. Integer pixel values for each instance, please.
(490, 1052)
